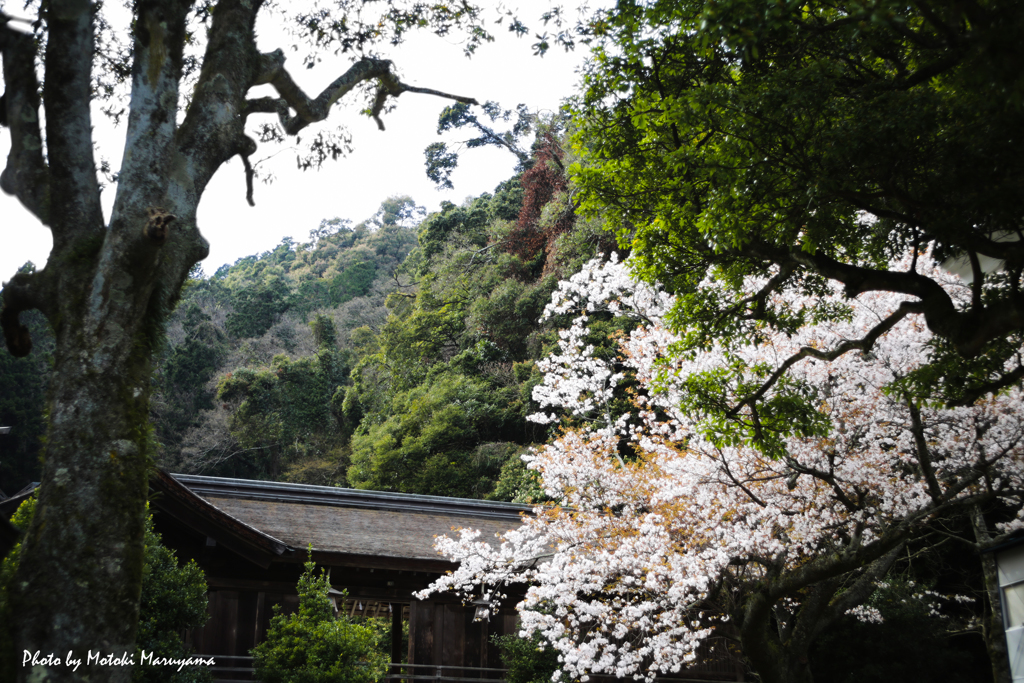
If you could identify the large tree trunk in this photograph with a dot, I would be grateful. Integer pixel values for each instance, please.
(107, 288)
(83, 554)
(775, 657)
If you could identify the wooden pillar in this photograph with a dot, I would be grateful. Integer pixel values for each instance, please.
(421, 632)
(396, 633)
(475, 635)
(248, 608)
(453, 652)
(439, 634)
(259, 632)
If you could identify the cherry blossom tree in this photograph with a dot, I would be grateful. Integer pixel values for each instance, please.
(687, 516)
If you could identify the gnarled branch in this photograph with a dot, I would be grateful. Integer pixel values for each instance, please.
(390, 85)
(863, 345)
(26, 175)
(24, 292)
(309, 110)
(969, 331)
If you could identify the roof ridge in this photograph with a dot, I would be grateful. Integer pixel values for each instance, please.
(254, 489)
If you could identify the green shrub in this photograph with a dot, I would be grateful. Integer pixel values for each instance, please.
(527, 659)
(315, 646)
(173, 599)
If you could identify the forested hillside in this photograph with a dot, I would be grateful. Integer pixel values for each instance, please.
(395, 354)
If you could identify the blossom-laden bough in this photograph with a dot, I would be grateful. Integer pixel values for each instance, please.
(669, 527)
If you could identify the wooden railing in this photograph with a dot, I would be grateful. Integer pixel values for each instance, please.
(231, 668)
(239, 669)
(444, 674)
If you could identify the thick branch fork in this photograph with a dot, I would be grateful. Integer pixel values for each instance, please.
(310, 110)
(969, 331)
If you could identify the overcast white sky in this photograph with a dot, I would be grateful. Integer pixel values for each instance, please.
(383, 163)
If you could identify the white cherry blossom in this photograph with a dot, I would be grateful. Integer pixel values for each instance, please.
(645, 555)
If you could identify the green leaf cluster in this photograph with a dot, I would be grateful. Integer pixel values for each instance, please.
(286, 411)
(441, 392)
(528, 660)
(448, 436)
(173, 600)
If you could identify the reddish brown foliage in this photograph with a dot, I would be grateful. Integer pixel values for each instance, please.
(544, 180)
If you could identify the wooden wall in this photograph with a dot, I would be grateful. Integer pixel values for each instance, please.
(239, 619)
(445, 634)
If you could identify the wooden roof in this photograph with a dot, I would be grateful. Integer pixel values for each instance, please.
(265, 522)
(172, 497)
(367, 528)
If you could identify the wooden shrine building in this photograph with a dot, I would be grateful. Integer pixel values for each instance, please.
(251, 539)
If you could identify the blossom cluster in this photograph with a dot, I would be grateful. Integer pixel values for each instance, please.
(644, 556)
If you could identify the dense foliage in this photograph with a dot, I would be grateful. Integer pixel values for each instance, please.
(394, 354)
(526, 659)
(8, 565)
(811, 144)
(315, 645)
(804, 397)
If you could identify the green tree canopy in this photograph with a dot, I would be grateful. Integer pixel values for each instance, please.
(285, 412)
(450, 436)
(816, 141)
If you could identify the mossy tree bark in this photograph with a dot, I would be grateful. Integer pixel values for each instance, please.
(108, 285)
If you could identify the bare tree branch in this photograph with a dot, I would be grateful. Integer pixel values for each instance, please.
(973, 393)
(924, 456)
(863, 345)
(309, 110)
